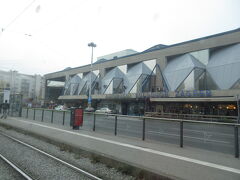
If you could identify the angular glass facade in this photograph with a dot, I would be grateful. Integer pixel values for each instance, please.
(214, 70)
(224, 66)
(182, 72)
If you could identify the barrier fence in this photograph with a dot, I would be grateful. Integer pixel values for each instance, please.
(216, 136)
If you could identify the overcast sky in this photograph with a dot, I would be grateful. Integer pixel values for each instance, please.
(44, 36)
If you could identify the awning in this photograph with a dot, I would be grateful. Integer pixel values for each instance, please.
(213, 99)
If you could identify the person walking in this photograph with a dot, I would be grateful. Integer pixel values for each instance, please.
(5, 107)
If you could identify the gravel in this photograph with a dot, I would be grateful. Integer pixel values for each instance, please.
(37, 165)
(8, 173)
(13, 150)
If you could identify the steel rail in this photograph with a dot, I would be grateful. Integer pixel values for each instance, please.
(15, 168)
(53, 157)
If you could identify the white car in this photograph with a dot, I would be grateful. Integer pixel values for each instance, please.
(59, 108)
(104, 110)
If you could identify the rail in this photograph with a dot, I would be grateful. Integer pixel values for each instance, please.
(193, 116)
(145, 119)
(21, 172)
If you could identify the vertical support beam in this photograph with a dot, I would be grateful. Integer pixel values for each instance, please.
(42, 114)
(143, 130)
(94, 121)
(236, 142)
(34, 114)
(115, 129)
(63, 118)
(52, 117)
(27, 114)
(181, 134)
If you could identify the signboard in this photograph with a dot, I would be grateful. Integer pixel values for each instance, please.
(89, 99)
(6, 95)
(194, 93)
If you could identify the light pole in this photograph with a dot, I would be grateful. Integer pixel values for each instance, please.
(90, 84)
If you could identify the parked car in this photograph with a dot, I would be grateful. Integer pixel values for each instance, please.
(89, 109)
(59, 108)
(104, 110)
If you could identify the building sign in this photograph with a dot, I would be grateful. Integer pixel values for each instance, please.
(194, 93)
(162, 94)
(119, 96)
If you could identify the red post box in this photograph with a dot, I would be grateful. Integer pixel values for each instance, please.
(78, 117)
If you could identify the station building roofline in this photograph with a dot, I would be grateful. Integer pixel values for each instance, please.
(153, 48)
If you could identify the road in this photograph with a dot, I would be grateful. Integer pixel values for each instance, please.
(205, 136)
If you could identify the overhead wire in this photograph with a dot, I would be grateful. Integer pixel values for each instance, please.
(14, 19)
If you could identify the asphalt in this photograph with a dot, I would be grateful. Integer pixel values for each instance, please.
(161, 158)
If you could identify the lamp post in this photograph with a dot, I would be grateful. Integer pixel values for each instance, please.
(90, 85)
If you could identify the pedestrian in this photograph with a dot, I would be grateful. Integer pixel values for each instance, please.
(5, 108)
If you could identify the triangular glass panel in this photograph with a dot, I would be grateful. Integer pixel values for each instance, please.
(236, 85)
(200, 81)
(188, 83)
(210, 84)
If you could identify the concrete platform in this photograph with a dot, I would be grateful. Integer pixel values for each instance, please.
(161, 158)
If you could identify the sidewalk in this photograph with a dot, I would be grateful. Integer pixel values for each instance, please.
(161, 158)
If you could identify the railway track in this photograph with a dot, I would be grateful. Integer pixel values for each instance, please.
(48, 156)
(16, 168)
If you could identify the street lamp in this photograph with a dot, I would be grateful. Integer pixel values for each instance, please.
(90, 86)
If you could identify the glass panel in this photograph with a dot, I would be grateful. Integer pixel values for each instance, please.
(150, 64)
(211, 85)
(84, 90)
(96, 72)
(109, 89)
(123, 68)
(146, 87)
(157, 81)
(236, 85)
(137, 88)
(188, 83)
(118, 86)
(200, 83)
(202, 56)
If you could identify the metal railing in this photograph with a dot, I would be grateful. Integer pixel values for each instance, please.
(143, 120)
(181, 123)
(217, 118)
(43, 113)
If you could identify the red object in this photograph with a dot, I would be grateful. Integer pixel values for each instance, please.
(78, 117)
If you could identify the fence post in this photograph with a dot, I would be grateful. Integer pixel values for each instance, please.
(143, 130)
(42, 114)
(238, 120)
(27, 114)
(236, 142)
(94, 121)
(34, 113)
(181, 134)
(52, 117)
(115, 130)
(63, 118)
(20, 111)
